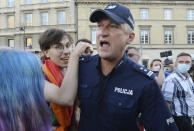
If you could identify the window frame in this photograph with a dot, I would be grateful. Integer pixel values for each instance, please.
(167, 38)
(169, 16)
(144, 14)
(28, 2)
(144, 37)
(59, 17)
(9, 25)
(44, 1)
(191, 39)
(31, 21)
(10, 3)
(26, 42)
(42, 22)
(9, 43)
(93, 35)
(190, 14)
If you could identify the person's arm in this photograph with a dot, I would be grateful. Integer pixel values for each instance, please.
(65, 95)
(168, 91)
(169, 105)
(161, 76)
(155, 113)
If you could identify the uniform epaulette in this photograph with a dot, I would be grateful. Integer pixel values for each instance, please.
(144, 71)
(85, 58)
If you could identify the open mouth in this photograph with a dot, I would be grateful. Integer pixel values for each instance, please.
(65, 59)
(104, 44)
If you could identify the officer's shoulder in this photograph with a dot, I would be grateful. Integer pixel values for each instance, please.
(87, 58)
(142, 70)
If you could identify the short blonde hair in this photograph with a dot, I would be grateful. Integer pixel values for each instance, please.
(128, 28)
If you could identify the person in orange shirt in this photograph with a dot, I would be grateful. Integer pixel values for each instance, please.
(56, 46)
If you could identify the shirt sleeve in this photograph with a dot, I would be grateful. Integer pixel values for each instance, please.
(168, 90)
(155, 113)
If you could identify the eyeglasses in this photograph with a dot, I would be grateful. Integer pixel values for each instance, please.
(61, 47)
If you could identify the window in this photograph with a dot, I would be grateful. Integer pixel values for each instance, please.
(28, 1)
(144, 14)
(44, 1)
(29, 42)
(11, 21)
(144, 36)
(28, 19)
(11, 43)
(167, 14)
(93, 35)
(190, 37)
(145, 62)
(190, 14)
(44, 18)
(10, 3)
(61, 17)
(168, 36)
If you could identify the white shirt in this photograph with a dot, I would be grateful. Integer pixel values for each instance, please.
(179, 90)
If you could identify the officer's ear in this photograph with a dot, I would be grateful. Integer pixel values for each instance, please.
(131, 37)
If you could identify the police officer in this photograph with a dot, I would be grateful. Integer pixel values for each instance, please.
(113, 89)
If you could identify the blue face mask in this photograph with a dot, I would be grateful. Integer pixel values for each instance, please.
(183, 68)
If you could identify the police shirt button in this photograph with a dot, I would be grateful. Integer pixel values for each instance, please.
(119, 104)
(82, 59)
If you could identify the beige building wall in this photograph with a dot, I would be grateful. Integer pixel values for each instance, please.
(155, 23)
(35, 8)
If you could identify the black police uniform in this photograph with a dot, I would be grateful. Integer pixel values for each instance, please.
(113, 102)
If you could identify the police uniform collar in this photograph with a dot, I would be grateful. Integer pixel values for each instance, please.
(123, 60)
(141, 69)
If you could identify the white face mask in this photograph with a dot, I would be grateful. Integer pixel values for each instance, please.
(156, 68)
(183, 68)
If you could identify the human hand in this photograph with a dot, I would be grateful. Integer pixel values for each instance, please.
(81, 48)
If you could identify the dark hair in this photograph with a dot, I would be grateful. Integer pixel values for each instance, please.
(51, 37)
(192, 67)
(183, 54)
(22, 103)
(152, 62)
(83, 40)
(191, 71)
(130, 47)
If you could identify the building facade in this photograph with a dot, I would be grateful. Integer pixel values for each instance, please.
(159, 25)
(22, 21)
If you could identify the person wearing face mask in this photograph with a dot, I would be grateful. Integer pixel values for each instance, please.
(157, 67)
(178, 91)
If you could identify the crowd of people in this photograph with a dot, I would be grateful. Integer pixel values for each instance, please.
(71, 89)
